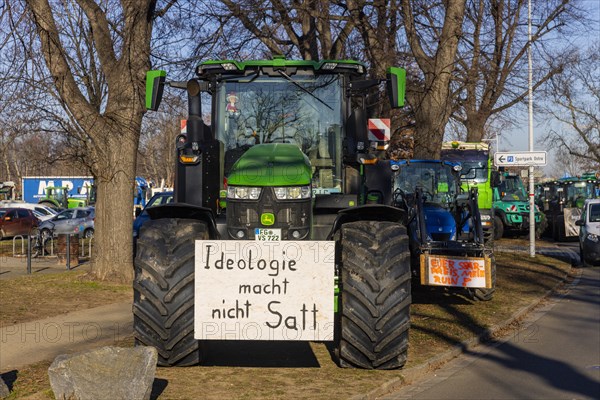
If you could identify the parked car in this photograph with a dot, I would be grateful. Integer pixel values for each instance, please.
(78, 220)
(157, 200)
(589, 232)
(41, 211)
(17, 221)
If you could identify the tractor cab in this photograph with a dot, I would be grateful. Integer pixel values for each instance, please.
(303, 109)
(56, 197)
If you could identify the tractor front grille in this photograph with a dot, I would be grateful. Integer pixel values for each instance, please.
(290, 215)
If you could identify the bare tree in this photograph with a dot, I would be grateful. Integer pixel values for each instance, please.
(491, 74)
(576, 105)
(97, 55)
(432, 31)
(311, 29)
(156, 155)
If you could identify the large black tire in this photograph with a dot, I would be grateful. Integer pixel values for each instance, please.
(163, 300)
(498, 228)
(541, 227)
(488, 236)
(375, 295)
(485, 294)
(560, 229)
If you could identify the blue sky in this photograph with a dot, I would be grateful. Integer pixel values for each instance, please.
(517, 139)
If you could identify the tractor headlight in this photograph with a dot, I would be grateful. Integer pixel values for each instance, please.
(243, 192)
(486, 217)
(292, 192)
(592, 237)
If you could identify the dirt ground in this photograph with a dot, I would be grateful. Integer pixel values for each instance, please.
(291, 370)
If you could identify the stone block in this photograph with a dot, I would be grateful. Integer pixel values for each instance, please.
(105, 373)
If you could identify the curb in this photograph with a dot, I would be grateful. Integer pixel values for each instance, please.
(414, 374)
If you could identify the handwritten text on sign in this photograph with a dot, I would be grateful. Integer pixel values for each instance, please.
(251, 290)
(451, 271)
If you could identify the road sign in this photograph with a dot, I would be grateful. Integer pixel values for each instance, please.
(379, 129)
(520, 159)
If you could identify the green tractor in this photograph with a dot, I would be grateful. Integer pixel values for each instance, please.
(562, 201)
(281, 166)
(511, 207)
(57, 197)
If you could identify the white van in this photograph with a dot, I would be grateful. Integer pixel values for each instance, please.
(42, 212)
(589, 233)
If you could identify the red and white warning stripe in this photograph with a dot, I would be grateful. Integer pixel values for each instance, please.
(184, 126)
(379, 129)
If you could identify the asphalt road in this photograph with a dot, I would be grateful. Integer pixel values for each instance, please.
(556, 355)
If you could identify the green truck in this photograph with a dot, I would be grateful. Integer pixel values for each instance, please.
(477, 172)
(511, 207)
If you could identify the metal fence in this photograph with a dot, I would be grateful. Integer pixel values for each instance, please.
(33, 247)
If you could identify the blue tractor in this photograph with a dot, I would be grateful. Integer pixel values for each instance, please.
(443, 223)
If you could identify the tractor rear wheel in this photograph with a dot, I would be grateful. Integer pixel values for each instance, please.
(375, 295)
(485, 294)
(163, 302)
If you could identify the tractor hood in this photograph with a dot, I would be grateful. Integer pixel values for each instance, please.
(271, 164)
(440, 223)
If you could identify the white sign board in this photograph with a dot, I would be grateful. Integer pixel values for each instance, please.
(455, 271)
(264, 290)
(520, 159)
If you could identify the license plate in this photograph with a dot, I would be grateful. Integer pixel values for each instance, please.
(267, 234)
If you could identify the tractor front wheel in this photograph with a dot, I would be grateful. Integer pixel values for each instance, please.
(375, 295)
(498, 228)
(485, 294)
(163, 302)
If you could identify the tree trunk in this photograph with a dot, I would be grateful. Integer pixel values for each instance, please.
(432, 102)
(114, 217)
(475, 125)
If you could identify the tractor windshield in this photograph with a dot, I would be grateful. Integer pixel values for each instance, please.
(474, 163)
(577, 192)
(303, 109)
(512, 189)
(58, 194)
(436, 179)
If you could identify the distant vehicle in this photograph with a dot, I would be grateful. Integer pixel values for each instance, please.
(16, 221)
(41, 211)
(157, 200)
(562, 201)
(73, 220)
(589, 232)
(7, 190)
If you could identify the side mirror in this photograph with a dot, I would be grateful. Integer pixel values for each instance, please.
(396, 86)
(496, 179)
(155, 83)
(580, 222)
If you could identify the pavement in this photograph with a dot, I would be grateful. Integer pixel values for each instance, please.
(30, 342)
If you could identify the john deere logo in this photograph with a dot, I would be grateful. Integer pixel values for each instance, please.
(267, 219)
